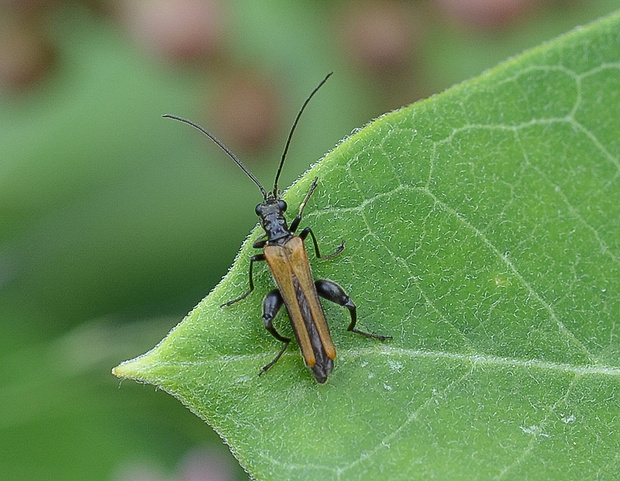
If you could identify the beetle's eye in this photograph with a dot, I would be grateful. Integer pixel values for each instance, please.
(282, 206)
(258, 209)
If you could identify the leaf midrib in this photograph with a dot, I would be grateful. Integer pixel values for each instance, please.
(387, 351)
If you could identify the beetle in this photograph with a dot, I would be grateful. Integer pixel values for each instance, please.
(285, 254)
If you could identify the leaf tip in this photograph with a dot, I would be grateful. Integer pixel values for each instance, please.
(129, 369)
(120, 371)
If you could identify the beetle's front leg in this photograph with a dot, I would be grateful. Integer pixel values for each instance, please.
(304, 233)
(271, 305)
(253, 259)
(333, 292)
(297, 219)
(260, 242)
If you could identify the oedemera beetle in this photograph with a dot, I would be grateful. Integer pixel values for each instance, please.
(285, 254)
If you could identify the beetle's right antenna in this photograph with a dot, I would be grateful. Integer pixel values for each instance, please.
(223, 147)
(290, 135)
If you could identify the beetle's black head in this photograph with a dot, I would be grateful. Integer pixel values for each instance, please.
(270, 213)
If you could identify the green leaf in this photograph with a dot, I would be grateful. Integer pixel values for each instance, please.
(483, 234)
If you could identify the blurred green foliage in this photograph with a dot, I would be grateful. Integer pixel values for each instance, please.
(111, 214)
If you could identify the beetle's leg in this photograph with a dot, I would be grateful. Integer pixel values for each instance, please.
(271, 305)
(304, 233)
(297, 219)
(253, 259)
(260, 242)
(333, 292)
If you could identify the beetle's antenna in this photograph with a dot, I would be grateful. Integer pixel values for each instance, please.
(290, 135)
(223, 147)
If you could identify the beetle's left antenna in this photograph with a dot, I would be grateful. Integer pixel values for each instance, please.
(290, 135)
(223, 147)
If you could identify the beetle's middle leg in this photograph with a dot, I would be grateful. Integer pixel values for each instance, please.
(271, 305)
(253, 259)
(333, 292)
(304, 233)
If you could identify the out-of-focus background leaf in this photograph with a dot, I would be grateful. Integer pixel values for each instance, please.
(104, 244)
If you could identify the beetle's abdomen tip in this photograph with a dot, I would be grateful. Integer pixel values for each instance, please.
(322, 370)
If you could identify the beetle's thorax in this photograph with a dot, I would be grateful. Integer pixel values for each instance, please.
(271, 218)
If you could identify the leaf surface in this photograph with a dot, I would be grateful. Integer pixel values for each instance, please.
(483, 234)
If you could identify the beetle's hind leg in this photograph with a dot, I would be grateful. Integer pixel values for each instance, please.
(333, 292)
(271, 305)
